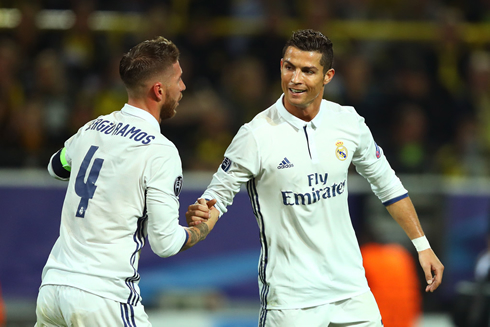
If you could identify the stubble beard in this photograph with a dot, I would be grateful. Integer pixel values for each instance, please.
(168, 108)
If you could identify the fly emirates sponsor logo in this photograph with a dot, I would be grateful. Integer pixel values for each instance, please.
(319, 191)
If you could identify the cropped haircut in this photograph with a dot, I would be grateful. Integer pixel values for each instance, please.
(311, 40)
(146, 60)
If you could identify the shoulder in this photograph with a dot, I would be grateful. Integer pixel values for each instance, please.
(334, 107)
(264, 120)
(162, 140)
(162, 147)
(343, 115)
(161, 155)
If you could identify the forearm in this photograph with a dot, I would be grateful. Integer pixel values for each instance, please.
(224, 187)
(199, 232)
(405, 215)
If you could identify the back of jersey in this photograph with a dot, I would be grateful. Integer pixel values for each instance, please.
(103, 224)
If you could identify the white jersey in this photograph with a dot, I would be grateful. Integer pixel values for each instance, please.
(124, 185)
(296, 175)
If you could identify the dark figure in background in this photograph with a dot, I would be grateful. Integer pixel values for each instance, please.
(472, 308)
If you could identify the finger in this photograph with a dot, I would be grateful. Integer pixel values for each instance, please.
(211, 203)
(437, 279)
(197, 222)
(428, 288)
(428, 275)
(432, 287)
(201, 201)
(195, 218)
(193, 213)
(198, 207)
(200, 214)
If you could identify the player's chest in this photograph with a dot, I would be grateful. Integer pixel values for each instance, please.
(308, 156)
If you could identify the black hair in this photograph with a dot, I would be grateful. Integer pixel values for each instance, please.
(311, 40)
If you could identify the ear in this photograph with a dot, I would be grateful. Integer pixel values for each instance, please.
(158, 90)
(328, 76)
(282, 63)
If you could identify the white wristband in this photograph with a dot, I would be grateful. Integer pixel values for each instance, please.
(421, 243)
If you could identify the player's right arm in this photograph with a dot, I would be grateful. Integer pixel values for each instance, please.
(163, 181)
(199, 232)
(241, 163)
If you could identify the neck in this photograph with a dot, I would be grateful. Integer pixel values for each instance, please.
(146, 106)
(306, 114)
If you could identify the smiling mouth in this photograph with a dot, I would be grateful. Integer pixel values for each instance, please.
(296, 91)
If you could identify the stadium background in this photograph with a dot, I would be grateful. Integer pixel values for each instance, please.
(418, 71)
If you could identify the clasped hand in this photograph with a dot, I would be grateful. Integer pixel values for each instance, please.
(201, 211)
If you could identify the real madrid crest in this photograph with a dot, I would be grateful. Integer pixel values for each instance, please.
(341, 151)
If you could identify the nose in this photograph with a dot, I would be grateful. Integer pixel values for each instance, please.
(296, 77)
(182, 87)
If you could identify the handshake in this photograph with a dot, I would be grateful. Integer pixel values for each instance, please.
(201, 212)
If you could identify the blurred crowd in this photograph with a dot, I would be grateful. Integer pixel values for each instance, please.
(426, 102)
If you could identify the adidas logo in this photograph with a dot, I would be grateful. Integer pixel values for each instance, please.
(285, 164)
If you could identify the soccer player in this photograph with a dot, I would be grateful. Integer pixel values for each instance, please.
(124, 182)
(294, 158)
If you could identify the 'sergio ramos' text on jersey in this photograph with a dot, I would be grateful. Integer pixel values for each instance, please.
(296, 175)
(124, 184)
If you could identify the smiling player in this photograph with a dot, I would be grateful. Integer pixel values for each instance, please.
(294, 158)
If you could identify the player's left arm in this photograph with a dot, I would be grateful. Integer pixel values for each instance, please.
(405, 215)
(58, 166)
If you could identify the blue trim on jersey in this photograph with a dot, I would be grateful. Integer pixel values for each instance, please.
(398, 198)
(307, 141)
(264, 292)
(186, 239)
(127, 315)
(139, 239)
(262, 316)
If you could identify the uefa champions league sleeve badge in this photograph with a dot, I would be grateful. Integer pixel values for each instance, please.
(341, 151)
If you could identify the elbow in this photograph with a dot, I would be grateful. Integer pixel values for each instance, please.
(163, 252)
(167, 245)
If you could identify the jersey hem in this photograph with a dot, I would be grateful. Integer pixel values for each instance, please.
(115, 299)
(314, 304)
(100, 286)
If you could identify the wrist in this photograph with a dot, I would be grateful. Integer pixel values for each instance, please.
(421, 243)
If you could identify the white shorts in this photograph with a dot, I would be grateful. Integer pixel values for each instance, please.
(59, 305)
(359, 311)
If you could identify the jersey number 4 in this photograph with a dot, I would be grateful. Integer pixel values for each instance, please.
(86, 190)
